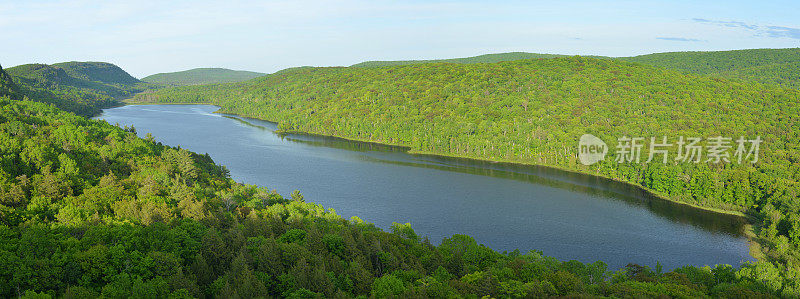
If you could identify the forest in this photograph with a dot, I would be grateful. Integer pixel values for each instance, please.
(533, 112)
(770, 66)
(80, 87)
(88, 209)
(488, 58)
(201, 76)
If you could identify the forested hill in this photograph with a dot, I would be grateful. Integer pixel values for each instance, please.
(534, 111)
(90, 210)
(97, 71)
(710, 62)
(769, 66)
(772, 66)
(7, 86)
(488, 58)
(80, 87)
(202, 76)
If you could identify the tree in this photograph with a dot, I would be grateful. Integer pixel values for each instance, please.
(387, 286)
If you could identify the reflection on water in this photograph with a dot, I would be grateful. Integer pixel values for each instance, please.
(575, 182)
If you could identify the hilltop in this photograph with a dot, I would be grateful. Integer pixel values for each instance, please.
(7, 86)
(527, 111)
(97, 71)
(487, 58)
(711, 62)
(769, 66)
(533, 111)
(202, 76)
(80, 87)
(90, 210)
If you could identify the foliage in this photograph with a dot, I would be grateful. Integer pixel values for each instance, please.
(771, 66)
(534, 111)
(768, 66)
(88, 210)
(487, 58)
(7, 86)
(80, 87)
(201, 76)
(97, 72)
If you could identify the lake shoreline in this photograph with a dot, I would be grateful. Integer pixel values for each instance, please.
(756, 249)
(411, 151)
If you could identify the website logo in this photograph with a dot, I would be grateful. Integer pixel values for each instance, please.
(714, 150)
(591, 149)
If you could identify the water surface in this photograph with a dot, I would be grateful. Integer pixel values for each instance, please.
(506, 207)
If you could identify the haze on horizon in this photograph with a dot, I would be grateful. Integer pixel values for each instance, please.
(148, 37)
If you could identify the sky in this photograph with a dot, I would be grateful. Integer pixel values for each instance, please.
(147, 37)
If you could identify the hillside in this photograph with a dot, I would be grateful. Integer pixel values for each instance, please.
(710, 62)
(771, 66)
(90, 210)
(7, 86)
(487, 58)
(102, 77)
(201, 76)
(80, 87)
(45, 75)
(528, 111)
(784, 74)
(534, 111)
(97, 71)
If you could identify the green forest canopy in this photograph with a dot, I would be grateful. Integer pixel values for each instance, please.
(80, 87)
(771, 66)
(533, 111)
(201, 76)
(7, 86)
(82, 201)
(88, 209)
(487, 58)
(97, 71)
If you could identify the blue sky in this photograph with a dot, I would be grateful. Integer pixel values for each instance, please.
(146, 37)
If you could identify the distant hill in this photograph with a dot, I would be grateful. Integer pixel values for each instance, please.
(771, 66)
(488, 58)
(80, 87)
(531, 111)
(710, 62)
(7, 86)
(97, 71)
(99, 76)
(202, 76)
(44, 75)
(784, 74)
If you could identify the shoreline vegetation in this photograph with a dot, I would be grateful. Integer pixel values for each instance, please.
(89, 209)
(529, 112)
(411, 151)
(756, 250)
(113, 215)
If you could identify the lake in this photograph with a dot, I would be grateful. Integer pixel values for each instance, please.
(504, 206)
